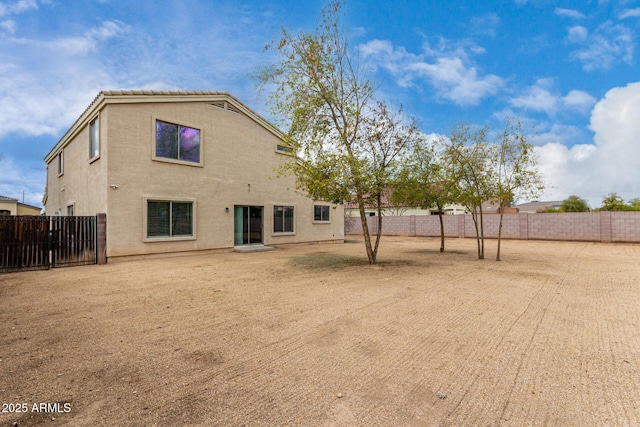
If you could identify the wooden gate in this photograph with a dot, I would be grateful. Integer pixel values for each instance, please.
(73, 240)
(42, 242)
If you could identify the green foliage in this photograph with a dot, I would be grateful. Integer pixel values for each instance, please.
(574, 204)
(518, 176)
(347, 142)
(470, 167)
(613, 202)
(422, 181)
(634, 203)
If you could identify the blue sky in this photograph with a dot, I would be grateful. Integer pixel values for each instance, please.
(569, 69)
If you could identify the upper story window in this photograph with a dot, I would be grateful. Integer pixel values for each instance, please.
(61, 163)
(94, 139)
(283, 149)
(177, 142)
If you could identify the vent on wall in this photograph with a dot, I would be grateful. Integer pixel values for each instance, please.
(232, 108)
(225, 106)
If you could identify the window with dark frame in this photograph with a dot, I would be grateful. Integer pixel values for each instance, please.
(320, 213)
(94, 138)
(177, 142)
(284, 149)
(169, 219)
(283, 219)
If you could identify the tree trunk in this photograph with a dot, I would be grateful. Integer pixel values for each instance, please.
(474, 217)
(378, 231)
(365, 230)
(499, 233)
(441, 230)
(481, 256)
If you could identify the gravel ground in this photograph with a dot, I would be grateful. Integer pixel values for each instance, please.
(311, 335)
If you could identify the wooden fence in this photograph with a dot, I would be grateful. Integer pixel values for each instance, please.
(43, 242)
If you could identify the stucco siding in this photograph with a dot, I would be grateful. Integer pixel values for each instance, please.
(238, 168)
(83, 183)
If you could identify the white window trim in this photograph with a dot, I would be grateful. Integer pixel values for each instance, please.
(155, 158)
(146, 199)
(96, 157)
(60, 163)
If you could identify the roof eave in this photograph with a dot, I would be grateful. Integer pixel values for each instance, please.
(136, 97)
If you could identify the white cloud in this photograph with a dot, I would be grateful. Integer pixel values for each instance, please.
(15, 180)
(577, 34)
(79, 45)
(485, 25)
(630, 13)
(449, 71)
(538, 98)
(18, 7)
(556, 132)
(606, 46)
(608, 165)
(541, 97)
(44, 103)
(8, 26)
(579, 101)
(569, 13)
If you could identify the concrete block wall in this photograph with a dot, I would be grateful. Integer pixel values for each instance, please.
(625, 226)
(588, 226)
(395, 225)
(429, 225)
(565, 226)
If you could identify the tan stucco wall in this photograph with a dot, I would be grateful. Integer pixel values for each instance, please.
(9, 206)
(83, 183)
(27, 210)
(16, 208)
(238, 168)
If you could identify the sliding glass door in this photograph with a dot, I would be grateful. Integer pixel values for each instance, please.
(247, 225)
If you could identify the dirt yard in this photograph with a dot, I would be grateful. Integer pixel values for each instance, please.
(312, 336)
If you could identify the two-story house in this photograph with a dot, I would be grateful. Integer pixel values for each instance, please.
(182, 171)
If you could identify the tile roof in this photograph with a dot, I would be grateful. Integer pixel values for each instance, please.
(7, 199)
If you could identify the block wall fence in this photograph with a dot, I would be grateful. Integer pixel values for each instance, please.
(603, 227)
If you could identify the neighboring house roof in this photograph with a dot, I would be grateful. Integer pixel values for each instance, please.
(147, 96)
(535, 206)
(7, 199)
(369, 202)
